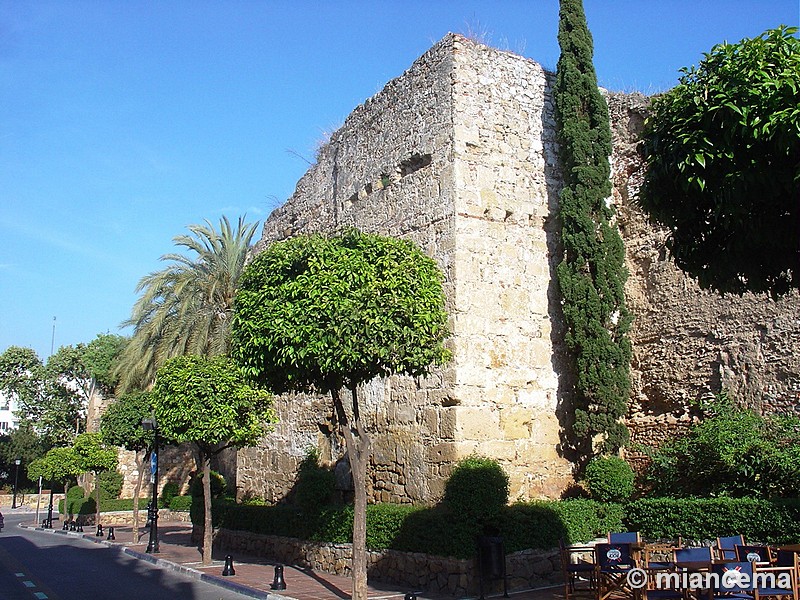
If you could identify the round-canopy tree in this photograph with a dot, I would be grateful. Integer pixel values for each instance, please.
(322, 314)
(206, 402)
(723, 166)
(121, 425)
(93, 454)
(59, 464)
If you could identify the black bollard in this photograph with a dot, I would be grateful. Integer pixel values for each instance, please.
(65, 526)
(80, 527)
(72, 526)
(111, 535)
(99, 531)
(278, 583)
(410, 596)
(228, 571)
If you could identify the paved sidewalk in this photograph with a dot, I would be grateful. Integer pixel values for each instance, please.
(254, 575)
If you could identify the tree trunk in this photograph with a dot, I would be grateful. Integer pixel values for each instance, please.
(208, 527)
(97, 495)
(66, 508)
(137, 491)
(357, 443)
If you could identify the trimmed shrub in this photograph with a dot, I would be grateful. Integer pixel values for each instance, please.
(110, 485)
(315, 484)
(180, 503)
(218, 485)
(436, 531)
(168, 492)
(477, 490)
(610, 479)
(384, 521)
(75, 496)
(87, 506)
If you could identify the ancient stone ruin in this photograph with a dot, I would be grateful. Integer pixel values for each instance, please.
(459, 155)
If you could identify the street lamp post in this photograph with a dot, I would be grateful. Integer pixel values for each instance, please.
(17, 462)
(50, 508)
(152, 545)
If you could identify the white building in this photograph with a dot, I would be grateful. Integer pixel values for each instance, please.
(8, 418)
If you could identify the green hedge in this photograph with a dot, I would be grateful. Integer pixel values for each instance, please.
(180, 503)
(768, 521)
(537, 524)
(437, 530)
(88, 506)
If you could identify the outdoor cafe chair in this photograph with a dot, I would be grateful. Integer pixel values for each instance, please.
(624, 537)
(761, 555)
(787, 563)
(578, 569)
(658, 556)
(697, 559)
(614, 561)
(658, 563)
(726, 546)
(732, 581)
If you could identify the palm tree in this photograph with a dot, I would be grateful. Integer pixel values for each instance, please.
(186, 308)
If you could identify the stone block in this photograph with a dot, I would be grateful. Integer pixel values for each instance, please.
(515, 422)
(477, 423)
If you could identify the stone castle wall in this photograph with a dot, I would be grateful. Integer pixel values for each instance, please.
(459, 155)
(687, 342)
(387, 169)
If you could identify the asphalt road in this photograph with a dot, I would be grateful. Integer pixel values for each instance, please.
(36, 565)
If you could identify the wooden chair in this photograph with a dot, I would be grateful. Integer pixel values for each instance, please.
(658, 556)
(578, 569)
(786, 571)
(726, 547)
(658, 562)
(732, 581)
(761, 555)
(614, 561)
(624, 537)
(694, 557)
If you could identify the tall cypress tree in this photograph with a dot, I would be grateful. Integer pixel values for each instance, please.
(592, 273)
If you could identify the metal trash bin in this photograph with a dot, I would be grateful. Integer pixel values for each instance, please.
(491, 563)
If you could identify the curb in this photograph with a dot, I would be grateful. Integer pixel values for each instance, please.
(167, 564)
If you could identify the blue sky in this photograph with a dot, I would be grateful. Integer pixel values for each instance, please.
(122, 122)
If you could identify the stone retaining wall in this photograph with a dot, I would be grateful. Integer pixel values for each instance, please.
(422, 572)
(29, 500)
(125, 517)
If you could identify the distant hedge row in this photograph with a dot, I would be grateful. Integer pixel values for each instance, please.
(88, 506)
(758, 520)
(537, 525)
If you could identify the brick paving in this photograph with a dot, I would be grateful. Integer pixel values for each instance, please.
(254, 575)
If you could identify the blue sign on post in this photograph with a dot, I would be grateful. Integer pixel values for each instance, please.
(153, 466)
